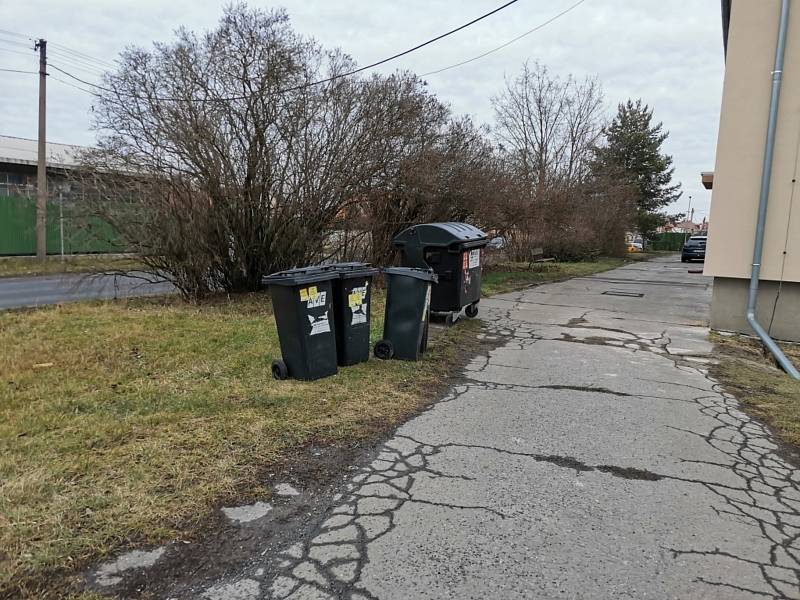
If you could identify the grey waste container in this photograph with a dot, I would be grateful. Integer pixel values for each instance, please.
(405, 326)
(453, 251)
(352, 303)
(302, 300)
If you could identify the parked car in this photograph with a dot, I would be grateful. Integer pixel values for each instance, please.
(694, 248)
(635, 247)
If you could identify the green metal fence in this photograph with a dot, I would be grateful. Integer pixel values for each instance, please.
(668, 241)
(67, 227)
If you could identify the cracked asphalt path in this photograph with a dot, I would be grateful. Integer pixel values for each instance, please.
(589, 455)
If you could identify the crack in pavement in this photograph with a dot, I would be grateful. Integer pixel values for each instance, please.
(768, 500)
(756, 487)
(568, 462)
(330, 563)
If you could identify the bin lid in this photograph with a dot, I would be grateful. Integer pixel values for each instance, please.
(349, 270)
(424, 274)
(441, 234)
(300, 276)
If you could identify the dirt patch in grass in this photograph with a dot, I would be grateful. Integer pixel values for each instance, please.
(128, 423)
(23, 266)
(764, 390)
(510, 276)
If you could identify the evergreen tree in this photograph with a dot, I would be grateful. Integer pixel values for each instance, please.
(632, 153)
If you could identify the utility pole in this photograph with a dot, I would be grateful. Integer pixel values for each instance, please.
(689, 216)
(41, 168)
(61, 221)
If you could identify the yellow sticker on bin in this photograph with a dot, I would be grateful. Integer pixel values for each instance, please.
(303, 294)
(312, 291)
(354, 300)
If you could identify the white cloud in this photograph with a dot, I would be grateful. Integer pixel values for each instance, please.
(668, 52)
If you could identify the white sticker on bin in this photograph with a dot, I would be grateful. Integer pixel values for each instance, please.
(474, 258)
(319, 324)
(359, 315)
(318, 299)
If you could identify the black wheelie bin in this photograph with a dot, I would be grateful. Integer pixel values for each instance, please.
(453, 251)
(405, 326)
(303, 303)
(352, 301)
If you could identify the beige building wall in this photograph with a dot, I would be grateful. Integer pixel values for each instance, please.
(740, 148)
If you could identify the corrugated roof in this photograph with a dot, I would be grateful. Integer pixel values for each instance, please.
(22, 151)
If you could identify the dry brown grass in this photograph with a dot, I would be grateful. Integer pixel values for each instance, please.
(764, 390)
(128, 422)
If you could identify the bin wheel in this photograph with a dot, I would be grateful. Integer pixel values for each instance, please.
(279, 370)
(451, 319)
(472, 310)
(384, 350)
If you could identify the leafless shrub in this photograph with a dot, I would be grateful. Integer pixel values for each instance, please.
(234, 165)
(431, 166)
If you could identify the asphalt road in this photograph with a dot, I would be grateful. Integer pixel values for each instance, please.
(588, 455)
(19, 292)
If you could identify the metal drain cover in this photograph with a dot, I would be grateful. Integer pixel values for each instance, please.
(623, 293)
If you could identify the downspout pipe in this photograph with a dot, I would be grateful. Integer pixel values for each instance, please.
(766, 176)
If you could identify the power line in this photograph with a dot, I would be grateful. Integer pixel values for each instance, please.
(72, 85)
(78, 64)
(313, 83)
(83, 56)
(422, 45)
(14, 42)
(508, 43)
(18, 71)
(16, 52)
(61, 48)
(15, 34)
(83, 81)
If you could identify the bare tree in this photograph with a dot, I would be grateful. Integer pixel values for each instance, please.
(235, 161)
(548, 127)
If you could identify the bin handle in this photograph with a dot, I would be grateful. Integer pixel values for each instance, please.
(458, 246)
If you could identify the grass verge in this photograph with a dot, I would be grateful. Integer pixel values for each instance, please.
(507, 277)
(127, 423)
(24, 266)
(764, 390)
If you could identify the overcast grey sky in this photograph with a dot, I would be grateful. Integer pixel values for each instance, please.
(668, 52)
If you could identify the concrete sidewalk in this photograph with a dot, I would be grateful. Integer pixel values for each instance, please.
(589, 455)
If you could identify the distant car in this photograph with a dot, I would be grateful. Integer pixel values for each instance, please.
(498, 243)
(635, 247)
(694, 248)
